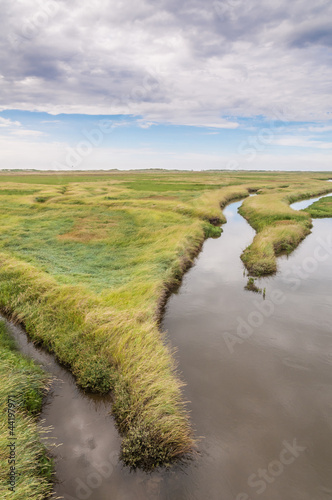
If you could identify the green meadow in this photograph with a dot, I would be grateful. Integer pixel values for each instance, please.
(88, 260)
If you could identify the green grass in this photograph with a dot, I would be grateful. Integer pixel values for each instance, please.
(321, 208)
(88, 269)
(279, 228)
(26, 382)
(164, 186)
(17, 192)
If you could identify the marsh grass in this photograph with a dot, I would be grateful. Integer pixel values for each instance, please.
(88, 270)
(252, 287)
(321, 208)
(27, 382)
(279, 228)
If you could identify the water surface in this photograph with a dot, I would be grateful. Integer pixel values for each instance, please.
(249, 396)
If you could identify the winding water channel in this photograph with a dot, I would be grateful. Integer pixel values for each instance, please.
(259, 382)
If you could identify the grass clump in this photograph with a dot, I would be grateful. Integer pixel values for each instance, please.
(25, 383)
(251, 285)
(321, 208)
(41, 199)
(279, 228)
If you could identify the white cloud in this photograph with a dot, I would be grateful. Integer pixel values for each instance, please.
(145, 124)
(14, 128)
(301, 142)
(27, 133)
(189, 62)
(6, 123)
(17, 153)
(222, 124)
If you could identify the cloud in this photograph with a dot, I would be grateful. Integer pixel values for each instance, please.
(27, 133)
(308, 35)
(320, 129)
(301, 142)
(193, 62)
(51, 121)
(145, 124)
(19, 153)
(11, 128)
(224, 124)
(7, 123)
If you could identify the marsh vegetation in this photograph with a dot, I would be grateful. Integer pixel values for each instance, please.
(88, 260)
(26, 467)
(321, 208)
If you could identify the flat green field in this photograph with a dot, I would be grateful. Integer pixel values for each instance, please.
(87, 261)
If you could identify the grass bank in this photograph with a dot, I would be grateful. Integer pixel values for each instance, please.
(279, 228)
(22, 387)
(321, 208)
(86, 264)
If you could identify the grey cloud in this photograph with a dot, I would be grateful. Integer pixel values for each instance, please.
(165, 59)
(321, 35)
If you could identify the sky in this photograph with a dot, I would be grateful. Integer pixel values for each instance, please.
(196, 84)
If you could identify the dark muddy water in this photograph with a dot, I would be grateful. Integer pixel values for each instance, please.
(259, 382)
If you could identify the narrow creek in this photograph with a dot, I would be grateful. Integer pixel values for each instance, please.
(300, 205)
(259, 382)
